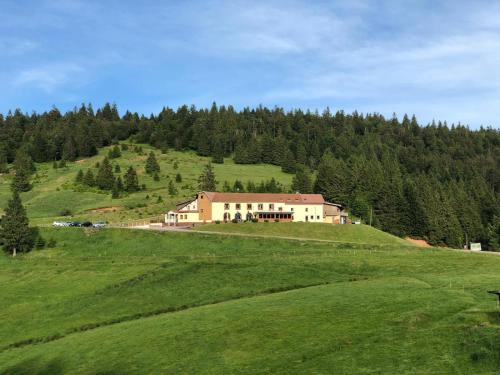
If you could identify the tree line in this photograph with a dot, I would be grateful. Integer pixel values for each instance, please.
(436, 182)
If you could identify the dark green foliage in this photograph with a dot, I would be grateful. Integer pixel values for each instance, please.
(302, 182)
(115, 152)
(124, 147)
(206, 181)
(378, 162)
(176, 165)
(172, 190)
(178, 178)
(288, 162)
(156, 177)
(238, 186)
(40, 242)
(89, 178)
(15, 232)
(55, 165)
(105, 178)
(332, 180)
(226, 187)
(65, 212)
(131, 181)
(152, 165)
(117, 168)
(62, 163)
(21, 182)
(160, 199)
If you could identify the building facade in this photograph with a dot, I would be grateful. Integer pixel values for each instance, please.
(209, 207)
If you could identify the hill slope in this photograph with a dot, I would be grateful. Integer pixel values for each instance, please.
(144, 302)
(54, 191)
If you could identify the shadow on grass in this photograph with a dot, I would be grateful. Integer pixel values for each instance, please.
(34, 366)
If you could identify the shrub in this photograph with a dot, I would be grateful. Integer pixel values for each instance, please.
(254, 220)
(217, 221)
(276, 220)
(266, 221)
(234, 221)
(65, 212)
(39, 242)
(51, 243)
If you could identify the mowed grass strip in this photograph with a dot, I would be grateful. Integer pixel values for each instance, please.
(377, 309)
(362, 234)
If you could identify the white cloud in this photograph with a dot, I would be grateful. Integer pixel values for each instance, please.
(49, 77)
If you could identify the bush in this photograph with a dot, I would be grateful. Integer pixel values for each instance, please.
(51, 243)
(254, 220)
(234, 221)
(39, 242)
(276, 220)
(217, 221)
(266, 221)
(65, 212)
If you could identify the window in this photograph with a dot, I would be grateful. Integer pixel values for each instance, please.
(261, 206)
(271, 206)
(238, 206)
(291, 209)
(307, 209)
(318, 217)
(226, 206)
(280, 208)
(312, 217)
(249, 206)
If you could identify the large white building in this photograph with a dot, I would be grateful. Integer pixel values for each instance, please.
(208, 207)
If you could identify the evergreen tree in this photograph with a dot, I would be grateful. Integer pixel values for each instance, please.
(131, 180)
(115, 152)
(89, 178)
(172, 190)
(152, 165)
(105, 178)
(117, 168)
(288, 162)
(302, 180)
(15, 231)
(206, 181)
(178, 178)
(20, 182)
(331, 180)
(119, 184)
(238, 187)
(79, 177)
(156, 177)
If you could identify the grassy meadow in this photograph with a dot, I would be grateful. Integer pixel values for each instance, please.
(54, 190)
(129, 301)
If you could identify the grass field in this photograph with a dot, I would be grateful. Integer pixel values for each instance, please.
(54, 190)
(124, 301)
(319, 231)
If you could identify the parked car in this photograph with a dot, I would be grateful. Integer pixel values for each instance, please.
(75, 224)
(86, 224)
(100, 224)
(59, 224)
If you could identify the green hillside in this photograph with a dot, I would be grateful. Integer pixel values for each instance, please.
(54, 190)
(124, 301)
(323, 232)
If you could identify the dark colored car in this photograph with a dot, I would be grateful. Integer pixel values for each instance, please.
(86, 224)
(75, 224)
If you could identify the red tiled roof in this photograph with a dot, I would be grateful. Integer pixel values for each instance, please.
(265, 197)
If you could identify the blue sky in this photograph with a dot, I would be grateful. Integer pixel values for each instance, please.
(437, 59)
